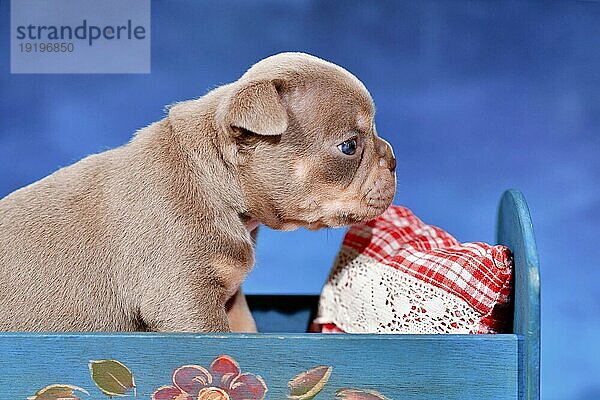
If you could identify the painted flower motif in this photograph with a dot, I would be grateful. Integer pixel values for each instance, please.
(222, 380)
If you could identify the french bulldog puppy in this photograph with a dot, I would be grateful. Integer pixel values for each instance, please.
(156, 235)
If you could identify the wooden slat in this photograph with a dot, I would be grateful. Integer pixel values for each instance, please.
(401, 367)
(515, 231)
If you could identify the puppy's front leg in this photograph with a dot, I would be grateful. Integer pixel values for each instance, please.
(239, 315)
(238, 312)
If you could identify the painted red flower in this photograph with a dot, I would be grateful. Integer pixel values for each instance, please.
(222, 380)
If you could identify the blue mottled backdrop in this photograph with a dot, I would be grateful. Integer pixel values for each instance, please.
(475, 96)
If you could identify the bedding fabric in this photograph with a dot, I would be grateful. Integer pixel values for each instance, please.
(396, 274)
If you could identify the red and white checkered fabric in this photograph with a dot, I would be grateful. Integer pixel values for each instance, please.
(473, 279)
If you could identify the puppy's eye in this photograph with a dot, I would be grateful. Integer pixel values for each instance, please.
(348, 147)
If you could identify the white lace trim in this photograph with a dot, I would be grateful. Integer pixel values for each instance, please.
(365, 296)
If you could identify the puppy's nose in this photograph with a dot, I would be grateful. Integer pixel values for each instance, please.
(392, 164)
(384, 149)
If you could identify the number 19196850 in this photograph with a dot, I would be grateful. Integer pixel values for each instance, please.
(47, 47)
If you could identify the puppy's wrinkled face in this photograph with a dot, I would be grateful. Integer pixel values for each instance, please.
(325, 166)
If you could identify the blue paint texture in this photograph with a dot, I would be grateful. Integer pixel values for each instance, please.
(398, 366)
(475, 97)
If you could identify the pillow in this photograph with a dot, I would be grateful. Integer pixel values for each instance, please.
(395, 274)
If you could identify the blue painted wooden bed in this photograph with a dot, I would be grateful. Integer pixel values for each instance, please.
(96, 366)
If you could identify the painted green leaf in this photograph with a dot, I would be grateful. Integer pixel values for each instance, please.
(58, 392)
(112, 377)
(358, 394)
(307, 385)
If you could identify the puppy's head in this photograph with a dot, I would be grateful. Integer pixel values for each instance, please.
(305, 144)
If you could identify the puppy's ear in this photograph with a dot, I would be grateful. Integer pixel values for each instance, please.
(257, 107)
